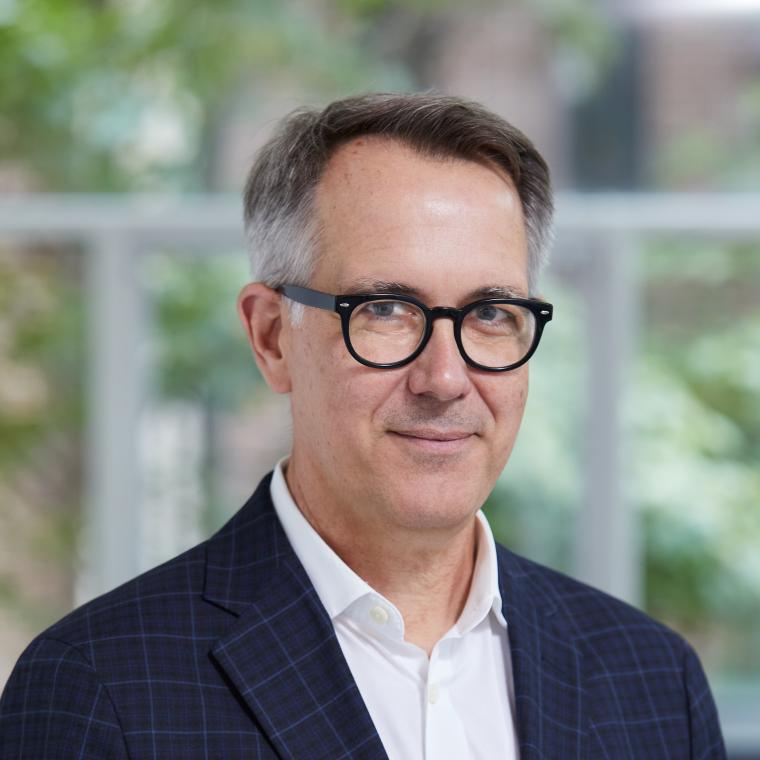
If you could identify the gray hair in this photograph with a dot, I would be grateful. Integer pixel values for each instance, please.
(280, 224)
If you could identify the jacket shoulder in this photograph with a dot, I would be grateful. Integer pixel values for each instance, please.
(165, 606)
(593, 619)
(54, 706)
(643, 681)
(158, 602)
(57, 702)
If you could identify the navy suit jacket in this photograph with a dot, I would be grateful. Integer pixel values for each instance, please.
(227, 652)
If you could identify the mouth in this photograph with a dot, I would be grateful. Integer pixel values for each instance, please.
(434, 441)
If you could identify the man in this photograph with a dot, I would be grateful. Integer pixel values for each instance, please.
(357, 606)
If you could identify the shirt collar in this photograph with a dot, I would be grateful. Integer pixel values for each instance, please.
(339, 587)
(336, 584)
(484, 596)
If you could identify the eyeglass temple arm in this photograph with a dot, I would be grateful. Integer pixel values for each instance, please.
(309, 297)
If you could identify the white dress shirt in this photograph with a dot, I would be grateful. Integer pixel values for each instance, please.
(456, 705)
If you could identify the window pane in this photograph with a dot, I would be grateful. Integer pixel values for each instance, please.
(695, 413)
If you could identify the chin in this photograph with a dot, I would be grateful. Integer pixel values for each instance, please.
(434, 502)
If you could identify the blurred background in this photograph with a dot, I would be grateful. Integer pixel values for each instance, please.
(133, 421)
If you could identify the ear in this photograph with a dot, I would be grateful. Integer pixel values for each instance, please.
(260, 311)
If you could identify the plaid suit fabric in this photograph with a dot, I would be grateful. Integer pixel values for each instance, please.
(226, 652)
(596, 678)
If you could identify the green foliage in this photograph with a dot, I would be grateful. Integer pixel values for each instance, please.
(118, 96)
(199, 344)
(112, 96)
(579, 25)
(697, 425)
(373, 8)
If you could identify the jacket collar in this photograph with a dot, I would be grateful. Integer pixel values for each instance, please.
(546, 664)
(281, 653)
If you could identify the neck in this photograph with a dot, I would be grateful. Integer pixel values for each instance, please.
(426, 575)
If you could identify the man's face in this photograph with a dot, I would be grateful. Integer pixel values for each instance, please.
(420, 446)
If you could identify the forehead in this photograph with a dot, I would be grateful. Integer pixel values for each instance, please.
(388, 213)
(369, 170)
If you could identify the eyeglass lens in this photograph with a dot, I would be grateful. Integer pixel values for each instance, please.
(493, 334)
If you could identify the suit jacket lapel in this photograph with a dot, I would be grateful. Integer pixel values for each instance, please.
(547, 666)
(281, 652)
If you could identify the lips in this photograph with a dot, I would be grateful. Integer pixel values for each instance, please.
(428, 434)
(429, 442)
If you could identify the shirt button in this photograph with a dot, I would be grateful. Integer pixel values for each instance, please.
(379, 614)
(433, 693)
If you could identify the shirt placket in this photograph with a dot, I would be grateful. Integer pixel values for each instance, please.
(444, 733)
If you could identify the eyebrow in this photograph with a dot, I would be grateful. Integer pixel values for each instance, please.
(496, 291)
(363, 286)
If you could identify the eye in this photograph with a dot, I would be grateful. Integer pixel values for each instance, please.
(490, 313)
(383, 309)
(386, 311)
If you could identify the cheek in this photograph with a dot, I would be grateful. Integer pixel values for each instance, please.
(506, 400)
(332, 394)
(316, 393)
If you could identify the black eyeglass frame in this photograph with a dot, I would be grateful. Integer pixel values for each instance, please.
(344, 306)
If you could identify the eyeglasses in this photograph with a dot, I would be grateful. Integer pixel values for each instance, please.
(389, 330)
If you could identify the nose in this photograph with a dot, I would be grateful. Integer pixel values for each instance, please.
(439, 371)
